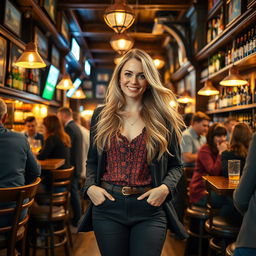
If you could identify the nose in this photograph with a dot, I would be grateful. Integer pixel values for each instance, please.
(133, 79)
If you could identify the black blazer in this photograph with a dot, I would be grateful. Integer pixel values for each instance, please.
(167, 170)
(76, 151)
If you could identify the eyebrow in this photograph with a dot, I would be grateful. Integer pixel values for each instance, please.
(133, 72)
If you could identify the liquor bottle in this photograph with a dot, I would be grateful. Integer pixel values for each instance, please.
(209, 32)
(245, 49)
(250, 50)
(254, 40)
(9, 80)
(221, 25)
(241, 48)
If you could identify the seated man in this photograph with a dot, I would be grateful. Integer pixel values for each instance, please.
(193, 138)
(18, 164)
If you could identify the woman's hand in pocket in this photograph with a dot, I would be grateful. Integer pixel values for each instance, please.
(98, 195)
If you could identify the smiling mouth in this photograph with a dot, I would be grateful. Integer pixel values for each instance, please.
(134, 89)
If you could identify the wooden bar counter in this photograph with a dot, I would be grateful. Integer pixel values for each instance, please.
(51, 164)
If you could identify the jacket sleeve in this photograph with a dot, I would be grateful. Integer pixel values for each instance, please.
(47, 149)
(224, 163)
(174, 165)
(247, 184)
(92, 157)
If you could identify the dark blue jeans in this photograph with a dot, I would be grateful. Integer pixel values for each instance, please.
(245, 251)
(129, 227)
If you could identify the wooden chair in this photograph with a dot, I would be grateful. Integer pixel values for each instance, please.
(18, 200)
(51, 220)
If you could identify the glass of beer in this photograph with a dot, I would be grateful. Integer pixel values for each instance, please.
(234, 171)
(35, 145)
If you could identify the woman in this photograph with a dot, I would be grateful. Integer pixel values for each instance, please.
(57, 141)
(245, 201)
(134, 162)
(241, 136)
(208, 162)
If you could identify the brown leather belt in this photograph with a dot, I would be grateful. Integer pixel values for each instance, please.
(126, 191)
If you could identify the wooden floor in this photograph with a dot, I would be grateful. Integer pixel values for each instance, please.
(85, 245)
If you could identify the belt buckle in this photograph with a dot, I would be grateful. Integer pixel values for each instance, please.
(123, 191)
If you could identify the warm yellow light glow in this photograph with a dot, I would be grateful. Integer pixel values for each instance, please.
(31, 57)
(65, 83)
(120, 18)
(121, 43)
(233, 78)
(158, 62)
(87, 112)
(208, 89)
(185, 98)
(173, 104)
(44, 111)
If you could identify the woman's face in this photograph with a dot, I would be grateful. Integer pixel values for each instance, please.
(132, 79)
(219, 139)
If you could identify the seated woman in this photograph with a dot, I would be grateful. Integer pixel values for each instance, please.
(241, 136)
(208, 163)
(57, 142)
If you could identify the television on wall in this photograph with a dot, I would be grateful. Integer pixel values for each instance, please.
(76, 84)
(50, 82)
(75, 49)
(87, 68)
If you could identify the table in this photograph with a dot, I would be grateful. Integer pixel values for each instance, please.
(51, 164)
(221, 185)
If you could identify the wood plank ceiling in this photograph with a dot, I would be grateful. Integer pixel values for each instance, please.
(88, 26)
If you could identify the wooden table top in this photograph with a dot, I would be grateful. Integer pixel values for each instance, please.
(51, 164)
(221, 185)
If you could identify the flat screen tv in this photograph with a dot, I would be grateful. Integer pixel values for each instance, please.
(76, 85)
(87, 68)
(75, 49)
(50, 83)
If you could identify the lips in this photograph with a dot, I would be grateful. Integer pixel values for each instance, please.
(133, 89)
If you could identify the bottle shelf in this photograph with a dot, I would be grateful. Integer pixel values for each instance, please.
(230, 109)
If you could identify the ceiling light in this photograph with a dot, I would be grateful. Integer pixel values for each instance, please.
(233, 78)
(159, 62)
(119, 16)
(121, 43)
(65, 83)
(118, 58)
(30, 58)
(185, 98)
(208, 89)
(79, 94)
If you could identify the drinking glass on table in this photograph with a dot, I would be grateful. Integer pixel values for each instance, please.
(35, 145)
(234, 171)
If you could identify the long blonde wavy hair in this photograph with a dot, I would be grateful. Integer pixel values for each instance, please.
(156, 110)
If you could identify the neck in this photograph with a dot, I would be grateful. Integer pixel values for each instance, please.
(133, 106)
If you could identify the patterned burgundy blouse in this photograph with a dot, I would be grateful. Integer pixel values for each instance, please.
(127, 162)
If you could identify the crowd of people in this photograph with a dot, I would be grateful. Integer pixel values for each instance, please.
(137, 147)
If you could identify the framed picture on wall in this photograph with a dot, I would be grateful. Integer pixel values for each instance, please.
(12, 18)
(101, 91)
(64, 28)
(87, 84)
(50, 7)
(3, 50)
(41, 42)
(234, 9)
(89, 94)
(103, 77)
(55, 58)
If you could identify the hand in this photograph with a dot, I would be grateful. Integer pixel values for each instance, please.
(156, 196)
(222, 146)
(98, 195)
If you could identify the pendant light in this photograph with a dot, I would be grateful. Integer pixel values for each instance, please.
(208, 89)
(158, 61)
(118, 58)
(233, 78)
(119, 16)
(185, 98)
(30, 58)
(65, 83)
(121, 43)
(79, 94)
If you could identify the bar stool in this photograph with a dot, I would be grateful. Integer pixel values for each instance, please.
(198, 236)
(230, 249)
(15, 214)
(51, 221)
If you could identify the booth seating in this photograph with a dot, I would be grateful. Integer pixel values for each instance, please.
(15, 203)
(50, 219)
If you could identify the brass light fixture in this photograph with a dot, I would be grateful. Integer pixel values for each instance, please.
(185, 98)
(158, 61)
(30, 58)
(233, 78)
(65, 83)
(121, 43)
(119, 16)
(118, 58)
(79, 94)
(208, 89)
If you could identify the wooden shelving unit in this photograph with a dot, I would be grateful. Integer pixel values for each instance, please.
(215, 9)
(232, 109)
(182, 71)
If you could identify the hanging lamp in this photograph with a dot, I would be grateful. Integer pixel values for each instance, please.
(65, 83)
(233, 78)
(118, 58)
(119, 16)
(79, 94)
(208, 89)
(121, 43)
(158, 61)
(185, 98)
(30, 58)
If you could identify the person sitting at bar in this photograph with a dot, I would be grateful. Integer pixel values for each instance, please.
(18, 164)
(208, 163)
(193, 138)
(241, 136)
(245, 201)
(31, 130)
(229, 123)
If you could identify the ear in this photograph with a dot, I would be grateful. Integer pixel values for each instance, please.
(4, 118)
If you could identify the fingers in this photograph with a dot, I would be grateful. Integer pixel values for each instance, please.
(110, 197)
(144, 195)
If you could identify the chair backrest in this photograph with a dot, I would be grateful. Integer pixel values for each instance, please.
(15, 203)
(60, 188)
